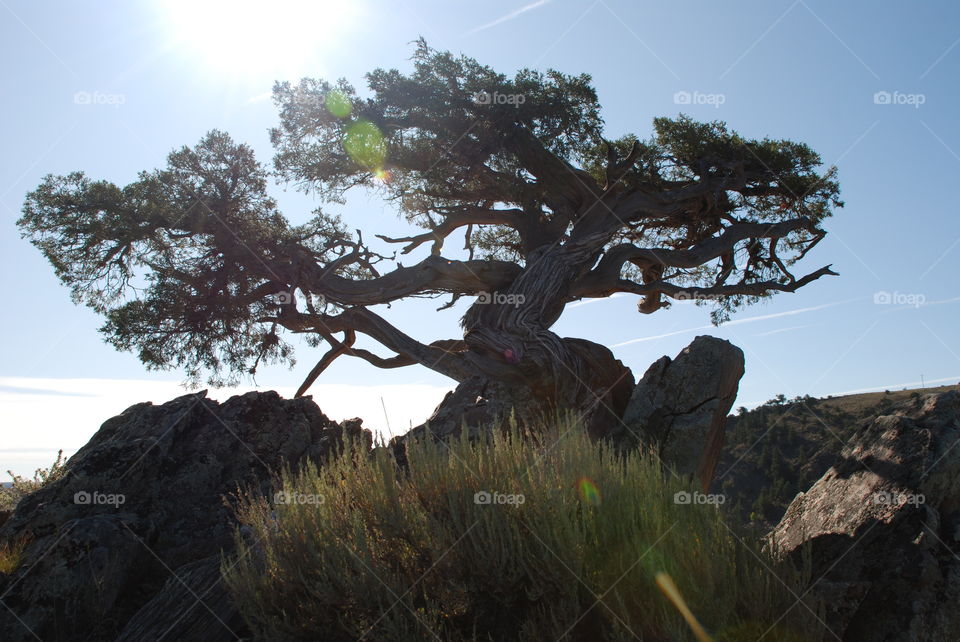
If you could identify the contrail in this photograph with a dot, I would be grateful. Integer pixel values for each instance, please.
(762, 317)
(511, 15)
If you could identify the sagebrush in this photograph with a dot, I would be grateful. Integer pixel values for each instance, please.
(11, 495)
(570, 549)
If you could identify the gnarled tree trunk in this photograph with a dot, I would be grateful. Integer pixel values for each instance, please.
(526, 371)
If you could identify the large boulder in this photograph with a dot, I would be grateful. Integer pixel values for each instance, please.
(881, 529)
(679, 407)
(481, 404)
(127, 545)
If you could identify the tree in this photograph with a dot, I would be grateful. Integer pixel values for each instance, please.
(193, 265)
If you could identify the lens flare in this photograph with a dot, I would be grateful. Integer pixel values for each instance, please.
(666, 584)
(365, 145)
(589, 492)
(338, 104)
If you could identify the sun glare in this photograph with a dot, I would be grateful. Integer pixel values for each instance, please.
(250, 37)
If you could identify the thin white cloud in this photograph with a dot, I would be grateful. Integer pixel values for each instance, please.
(511, 15)
(42, 415)
(763, 317)
(259, 98)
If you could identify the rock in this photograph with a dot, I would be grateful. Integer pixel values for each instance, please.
(679, 407)
(881, 527)
(194, 605)
(481, 404)
(128, 542)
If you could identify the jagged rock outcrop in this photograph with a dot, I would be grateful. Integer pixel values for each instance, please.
(679, 407)
(881, 528)
(127, 545)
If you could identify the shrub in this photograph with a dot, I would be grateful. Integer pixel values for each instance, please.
(21, 487)
(581, 543)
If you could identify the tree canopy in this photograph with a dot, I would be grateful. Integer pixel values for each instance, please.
(193, 266)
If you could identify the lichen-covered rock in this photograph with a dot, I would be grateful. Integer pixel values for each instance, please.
(127, 540)
(881, 528)
(679, 407)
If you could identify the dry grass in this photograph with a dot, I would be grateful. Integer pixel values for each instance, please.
(11, 554)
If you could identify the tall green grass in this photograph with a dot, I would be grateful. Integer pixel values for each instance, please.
(369, 551)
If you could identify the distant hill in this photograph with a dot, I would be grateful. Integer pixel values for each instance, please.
(782, 447)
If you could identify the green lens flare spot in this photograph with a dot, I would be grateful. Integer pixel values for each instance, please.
(589, 492)
(365, 145)
(338, 104)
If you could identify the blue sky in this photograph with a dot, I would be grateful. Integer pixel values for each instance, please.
(111, 87)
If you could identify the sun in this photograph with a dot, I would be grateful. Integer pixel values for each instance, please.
(255, 38)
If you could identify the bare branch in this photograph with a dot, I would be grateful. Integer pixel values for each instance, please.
(433, 274)
(467, 216)
(653, 291)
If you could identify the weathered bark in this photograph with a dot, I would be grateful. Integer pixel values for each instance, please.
(512, 342)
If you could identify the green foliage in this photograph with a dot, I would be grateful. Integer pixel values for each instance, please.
(184, 261)
(22, 486)
(390, 555)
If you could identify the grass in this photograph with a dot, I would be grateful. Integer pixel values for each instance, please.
(11, 554)
(582, 544)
